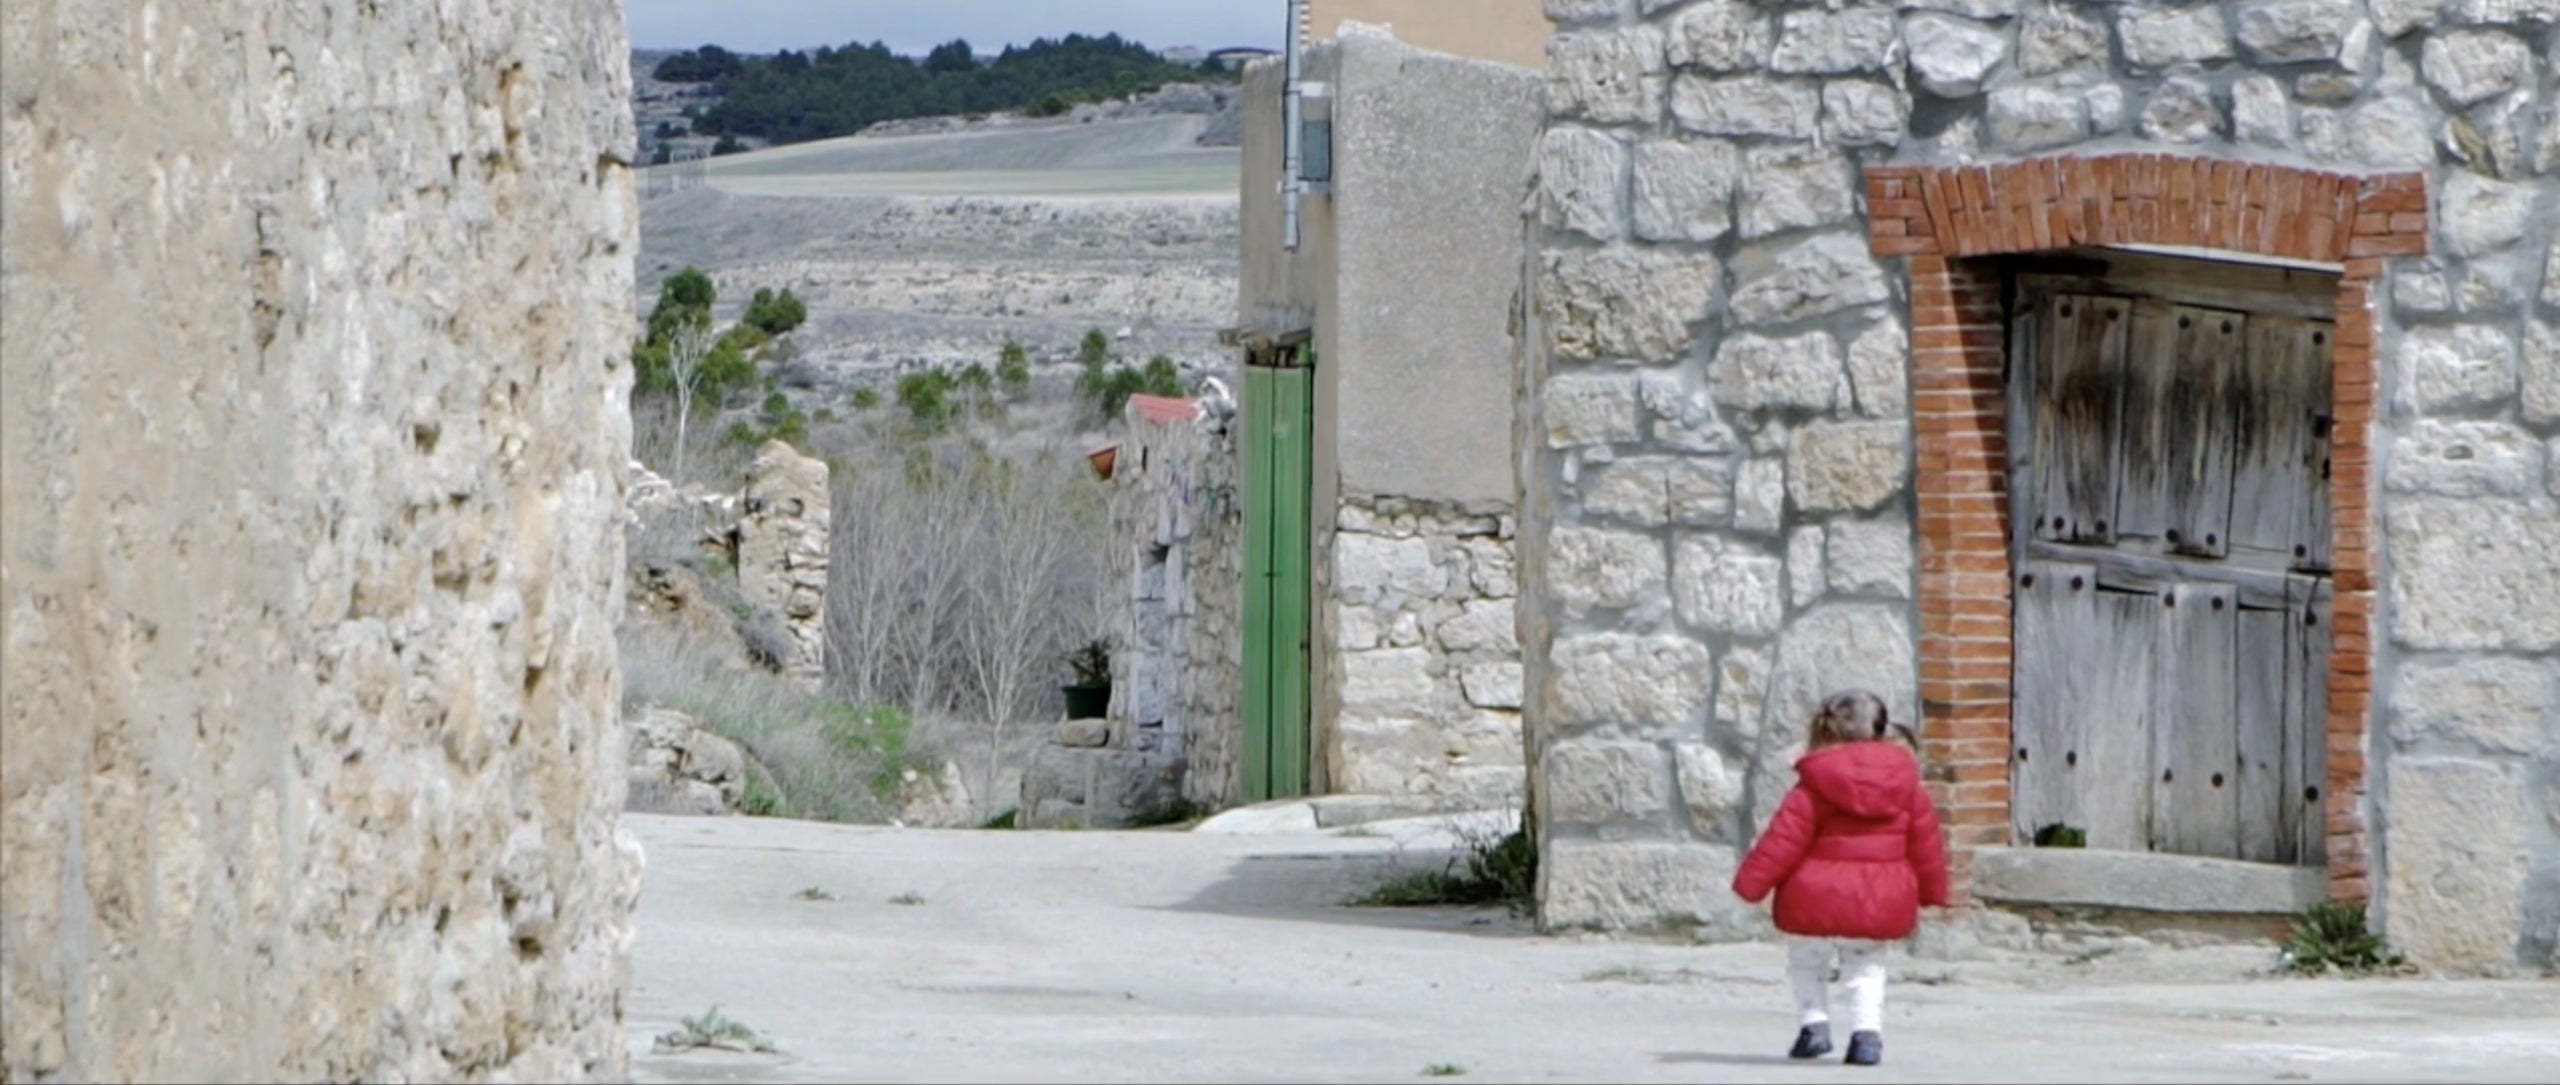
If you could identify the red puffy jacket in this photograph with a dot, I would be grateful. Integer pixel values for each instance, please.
(1854, 851)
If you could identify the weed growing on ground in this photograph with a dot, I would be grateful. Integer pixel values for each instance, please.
(1006, 820)
(814, 893)
(1638, 974)
(714, 1031)
(2334, 937)
(1490, 869)
(1444, 1069)
(908, 899)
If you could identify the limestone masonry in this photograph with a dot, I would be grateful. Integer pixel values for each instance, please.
(1758, 308)
(316, 319)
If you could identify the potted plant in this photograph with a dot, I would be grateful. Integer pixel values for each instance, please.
(1089, 697)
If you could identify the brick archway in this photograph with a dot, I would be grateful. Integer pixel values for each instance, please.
(1948, 221)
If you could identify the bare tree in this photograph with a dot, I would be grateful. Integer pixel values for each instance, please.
(1029, 556)
(688, 347)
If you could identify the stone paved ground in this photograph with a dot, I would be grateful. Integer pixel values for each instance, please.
(1190, 957)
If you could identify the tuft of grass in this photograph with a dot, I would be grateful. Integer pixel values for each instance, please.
(2090, 955)
(1007, 820)
(2058, 835)
(814, 893)
(1491, 870)
(828, 760)
(2334, 937)
(1637, 974)
(713, 1030)
(1444, 1069)
(908, 899)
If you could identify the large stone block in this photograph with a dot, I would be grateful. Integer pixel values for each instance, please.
(1723, 36)
(1794, 187)
(2455, 861)
(1684, 417)
(1760, 496)
(1482, 625)
(2465, 459)
(1599, 783)
(1593, 568)
(1742, 691)
(1810, 278)
(1626, 304)
(1805, 579)
(2477, 215)
(2164, 37)
(314, 411)
(2260, 113)
(2181, 110)
(1581, 174)
(1838, 646)
(1584, 409)
(2392, 133)
(1879, 369)
(1817, 42)
(1651, 491)
(2467, 66)
(1390, 682)
(1371, 568)
(1746, 106)
(1649, 682)
(1606, 76)
(1755, 372)
(1858, 113)
(2542, 372)
(2499, 705)
(1611, 886)
(2469, 365)
(1684, 189)
(2294, 31)
(1950, 57)
(1871, 557)
(2053, 37)
(1492, 685)
(2397, 17)
(1838, 466)
(2026, 117)
(1727, 587)
(1709, 788)
(2473, 575)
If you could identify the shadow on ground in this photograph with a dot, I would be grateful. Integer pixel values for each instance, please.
(1317, 887)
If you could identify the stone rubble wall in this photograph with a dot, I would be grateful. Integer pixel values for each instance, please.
(785, 514)
(1426, 670)
(314, 329)
(1719, 506)
(1177, 686)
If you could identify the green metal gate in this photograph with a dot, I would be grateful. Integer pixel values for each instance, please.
(1279, 427)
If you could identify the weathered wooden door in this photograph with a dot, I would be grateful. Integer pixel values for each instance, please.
(2169, 461)
(1278, 465)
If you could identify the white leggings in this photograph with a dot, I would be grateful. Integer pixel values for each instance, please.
(1861, 970)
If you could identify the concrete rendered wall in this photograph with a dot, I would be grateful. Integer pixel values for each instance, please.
(1510, 32)
(1718, 519)
(313, 328)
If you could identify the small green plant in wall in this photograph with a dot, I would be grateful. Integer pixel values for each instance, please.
(2333, 937)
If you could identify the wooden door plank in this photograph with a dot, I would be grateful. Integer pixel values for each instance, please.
(2059, 660)
(2311, 522)
(2174, 460)
(2211, 345)
(2113, 762)
(2195, 808)
(2263, 644)
(2307, 722)
(2075, 400)
(2280, 394)
(2142, 481)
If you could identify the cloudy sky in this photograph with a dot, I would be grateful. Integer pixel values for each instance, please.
(914, 26)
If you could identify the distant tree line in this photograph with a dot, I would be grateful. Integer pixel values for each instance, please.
(793, 96)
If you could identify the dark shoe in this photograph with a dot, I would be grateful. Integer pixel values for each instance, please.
(1865, 1049)
(1812, 1042)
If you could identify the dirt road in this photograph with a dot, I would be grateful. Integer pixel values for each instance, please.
(1188, 957)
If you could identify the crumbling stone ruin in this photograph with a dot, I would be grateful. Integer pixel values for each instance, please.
(314, 327)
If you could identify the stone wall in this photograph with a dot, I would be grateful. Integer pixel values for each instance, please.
(1426, 655)
(314, 327)
(1177, 679)
(1719, 520)
(781, 539)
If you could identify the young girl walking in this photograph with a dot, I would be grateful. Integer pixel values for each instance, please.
(1853, 853)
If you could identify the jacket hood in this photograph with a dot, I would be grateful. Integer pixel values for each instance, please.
(1864, 779)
